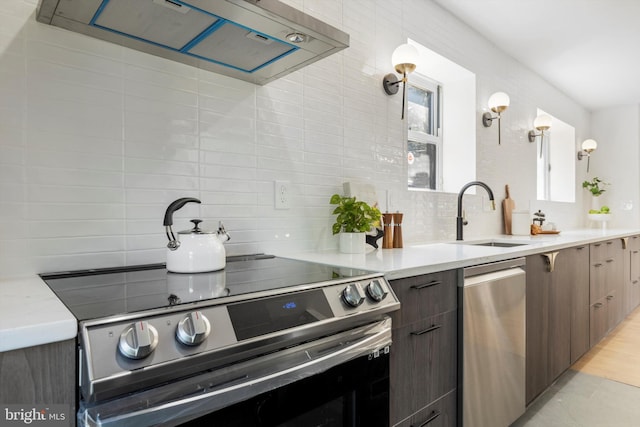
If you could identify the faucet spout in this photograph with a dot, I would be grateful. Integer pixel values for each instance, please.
(459, 219)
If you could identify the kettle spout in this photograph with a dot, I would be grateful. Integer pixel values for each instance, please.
(223, 236)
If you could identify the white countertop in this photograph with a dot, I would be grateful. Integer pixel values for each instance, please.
(428, 258)
(30, 313)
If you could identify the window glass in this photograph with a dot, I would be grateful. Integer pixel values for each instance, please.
(555, 162)
(424, 143)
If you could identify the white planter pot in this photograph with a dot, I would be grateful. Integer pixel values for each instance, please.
(352, 243)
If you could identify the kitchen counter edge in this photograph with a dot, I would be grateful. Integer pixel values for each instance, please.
(418, 259)
(31, 314)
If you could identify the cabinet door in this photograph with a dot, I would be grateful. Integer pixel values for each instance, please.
(423, 364)
(634, 273)
(598, 281)
(560, 303)
(578, 277)
(598, 322)
(44, 374)
(537, 329)
(615, 282)
(441, 413)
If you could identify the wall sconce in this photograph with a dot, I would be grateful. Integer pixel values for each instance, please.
(404, 60)
(498, 102)
(541, 123)
(588, 146)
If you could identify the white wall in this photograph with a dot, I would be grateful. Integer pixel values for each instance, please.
(616, 160)
(96, 140)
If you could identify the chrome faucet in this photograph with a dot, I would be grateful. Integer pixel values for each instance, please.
(459, 220)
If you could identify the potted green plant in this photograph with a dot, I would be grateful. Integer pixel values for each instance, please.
(595, 186)
(597, 212)
(353, 219)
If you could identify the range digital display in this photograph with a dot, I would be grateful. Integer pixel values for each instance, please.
(254, 318)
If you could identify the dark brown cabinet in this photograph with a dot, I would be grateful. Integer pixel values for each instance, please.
(607, 287)
(43, 374)
(632, 272)
(423, 369)
(557, 315)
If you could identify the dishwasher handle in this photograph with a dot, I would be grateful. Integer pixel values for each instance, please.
(481, 269)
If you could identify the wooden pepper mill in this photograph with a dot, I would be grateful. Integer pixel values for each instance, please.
(397, 230)
(387, 239)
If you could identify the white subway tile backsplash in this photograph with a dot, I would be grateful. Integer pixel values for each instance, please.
(96, 139)
(37, 211)
(160, 181)
(69, 229)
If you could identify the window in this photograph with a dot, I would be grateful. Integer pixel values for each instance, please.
(555, 162)
(424, 141)
(440, 124)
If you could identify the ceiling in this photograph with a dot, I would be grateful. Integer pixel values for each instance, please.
(589, 49)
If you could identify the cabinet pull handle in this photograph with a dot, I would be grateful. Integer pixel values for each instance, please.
(426, 285)
(635, 252)
(597, 305)
(551, 260)
(609, 297)
(609, 243)
(634, 282)
(424, 331)
(597, 245)
(580, 248)
(610, 260)
(433, 416)
(599, 264)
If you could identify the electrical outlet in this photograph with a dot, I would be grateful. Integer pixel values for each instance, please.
(281, 195)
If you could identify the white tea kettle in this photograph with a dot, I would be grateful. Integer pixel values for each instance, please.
(196, 250)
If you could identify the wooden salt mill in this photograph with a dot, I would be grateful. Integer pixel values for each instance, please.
(397, 230)
(387, 239)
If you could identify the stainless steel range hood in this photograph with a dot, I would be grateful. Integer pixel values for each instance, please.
(253, 40)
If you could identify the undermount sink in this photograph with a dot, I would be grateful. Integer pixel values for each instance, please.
(494, 243)
(499, 244)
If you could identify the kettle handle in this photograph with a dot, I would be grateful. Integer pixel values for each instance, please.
(168, 215)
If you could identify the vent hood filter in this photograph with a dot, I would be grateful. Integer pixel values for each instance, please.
(245, 39)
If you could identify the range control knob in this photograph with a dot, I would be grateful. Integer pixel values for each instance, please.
(376, 291)
(138, 340)
(352, 295)
(193, 329)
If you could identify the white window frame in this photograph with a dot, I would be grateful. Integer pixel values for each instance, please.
(424, 83)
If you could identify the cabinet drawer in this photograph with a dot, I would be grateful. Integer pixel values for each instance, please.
(441, 413)
(423, 364)
(425, 296)
(597, 252)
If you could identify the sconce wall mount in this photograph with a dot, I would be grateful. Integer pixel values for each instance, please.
(404, 60)
(541, 123)
(588, 147)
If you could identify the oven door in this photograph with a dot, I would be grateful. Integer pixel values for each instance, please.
(340, 380)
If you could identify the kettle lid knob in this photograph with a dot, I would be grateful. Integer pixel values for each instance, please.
(196, 222)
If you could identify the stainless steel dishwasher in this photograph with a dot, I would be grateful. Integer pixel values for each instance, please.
(493, 343)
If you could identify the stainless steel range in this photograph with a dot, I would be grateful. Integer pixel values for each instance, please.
(267, 341)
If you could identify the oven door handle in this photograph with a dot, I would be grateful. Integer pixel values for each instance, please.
(178, 402)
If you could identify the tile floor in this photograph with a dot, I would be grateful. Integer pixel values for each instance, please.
(582, 400)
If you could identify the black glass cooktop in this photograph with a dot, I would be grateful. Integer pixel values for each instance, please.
(92, 294)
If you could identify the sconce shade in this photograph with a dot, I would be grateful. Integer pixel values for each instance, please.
(498, 102)
(404, 58)
(589, 145)
(542, 122)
